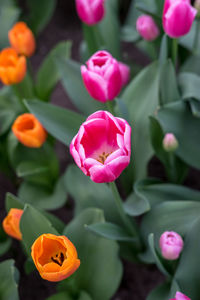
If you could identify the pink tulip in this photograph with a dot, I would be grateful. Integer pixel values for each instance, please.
(171, 245)
(180, 296)
(125, 73)
(102, 76)
(147, 28)
(90, 11)
(170, 142)
(102, 146)
(178, 16)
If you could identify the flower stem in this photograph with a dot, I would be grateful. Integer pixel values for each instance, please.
(174, 51)
(196, 39)
(110, 107)
(127, 223)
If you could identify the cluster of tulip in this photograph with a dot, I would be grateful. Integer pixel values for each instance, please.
(101, 147)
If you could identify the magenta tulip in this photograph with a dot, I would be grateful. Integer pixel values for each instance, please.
(178, 16)
(171, 245)
(147, 28)
(180, 296)
(125, 73)
(102, 76)
(102, 146)
(90, 12)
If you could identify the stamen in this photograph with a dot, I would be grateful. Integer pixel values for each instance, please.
(102, 157)
(58, 260)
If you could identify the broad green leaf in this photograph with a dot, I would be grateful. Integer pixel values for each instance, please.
(163, 55)
(141, 97)
(195, 107)
(98, 256)
(8, 285)
(179, 120)
(62, 123)
(24, 89)
(30, 168)
(189, 262)
(48, 69)
(5, 241)
(188, 41)
(60, 296)
(190, 85)
(13, 202)
(160, 292)
(135, 205)
(110, 231)
(191, 65)
(40, 13)
(33, 224)
(70, 72)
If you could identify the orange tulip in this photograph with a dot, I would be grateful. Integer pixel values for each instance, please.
(11, 223)
(55, 257)
(12, 66)
(22, 39)
(29, 131)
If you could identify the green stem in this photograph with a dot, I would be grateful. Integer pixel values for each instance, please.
(18, 91)
(172, 174)
(127, 223)
(110, 107)
(174, 51)
(196, 39)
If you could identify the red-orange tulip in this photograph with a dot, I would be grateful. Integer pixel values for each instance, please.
(22, 39)
(29, 131)
(12, 66)
(11, 223)
(55, 257)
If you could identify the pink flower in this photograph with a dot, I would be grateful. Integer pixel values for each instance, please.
(102, 146)
(171, 245)
(125, 73)
(170, 142)
(178, 16)
(180, 296)
(90, 11)
(147, 28)
(102, 76)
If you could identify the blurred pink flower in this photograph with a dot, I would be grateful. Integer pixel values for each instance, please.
(170, 142)
(90, 12)
(102, 146)
(171, 245)
(180, 296)
(147, 28)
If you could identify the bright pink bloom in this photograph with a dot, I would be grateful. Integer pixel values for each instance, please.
(125, 73)
(102, 147)
(178, 16)
(90, 11)
(102, 76)
(180, 296)
(171, 245)
(147, 28)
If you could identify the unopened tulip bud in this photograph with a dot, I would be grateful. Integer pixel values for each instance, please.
(171, 245)
(178, 16)
(170, 143)
(147, 28)
(180, 296)
(11, 223)
(89, 11)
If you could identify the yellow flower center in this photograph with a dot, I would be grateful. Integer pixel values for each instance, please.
(102, 157)
(58, 258)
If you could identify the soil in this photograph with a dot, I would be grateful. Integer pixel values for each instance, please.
(138, 280)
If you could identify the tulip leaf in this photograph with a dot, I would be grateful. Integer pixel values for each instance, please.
(135, 205)
(163, 55)
(8, 284)
(190, 85)
(191, 65)
(48, 69)
(160, 292)
(5, 241)
(189, 262)
(195, 107)
(98, 256)
(141, 97)
(13, 202)
(62, 123)
(179, 120)
(188, 41)
(33, 223)
(110, 231)
(60, 296)
(70, 72)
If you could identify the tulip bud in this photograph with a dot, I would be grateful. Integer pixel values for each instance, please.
(178, 16)
(170, 143)
(180, 296)
(147, 28)
(171, 245)
(102, 76)
(89, 11)
(11, 223)
(29, 131)
(12, 66)
(22, 39)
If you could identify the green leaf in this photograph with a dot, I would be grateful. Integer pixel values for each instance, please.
(179, 120)
(62, 123)
(13, 202)
(33, 224)
(70, 72)
(60, 296)
(141, 97)
(188, 40)
(48, 69)
(160, 292)
(110, 231)
(129, 34)
(5, 241)
(30, 168)
(94, 253)
(163, 55)
(189, 262)
(195, 107)
(40, 13)
(135, 205)
(192, 65)
(8, 285)
(190, 85)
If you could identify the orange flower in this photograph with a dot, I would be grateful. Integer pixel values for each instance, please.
(11, 223)
(29, 131)
(22, 39)
(55, 257)
(12, 66)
